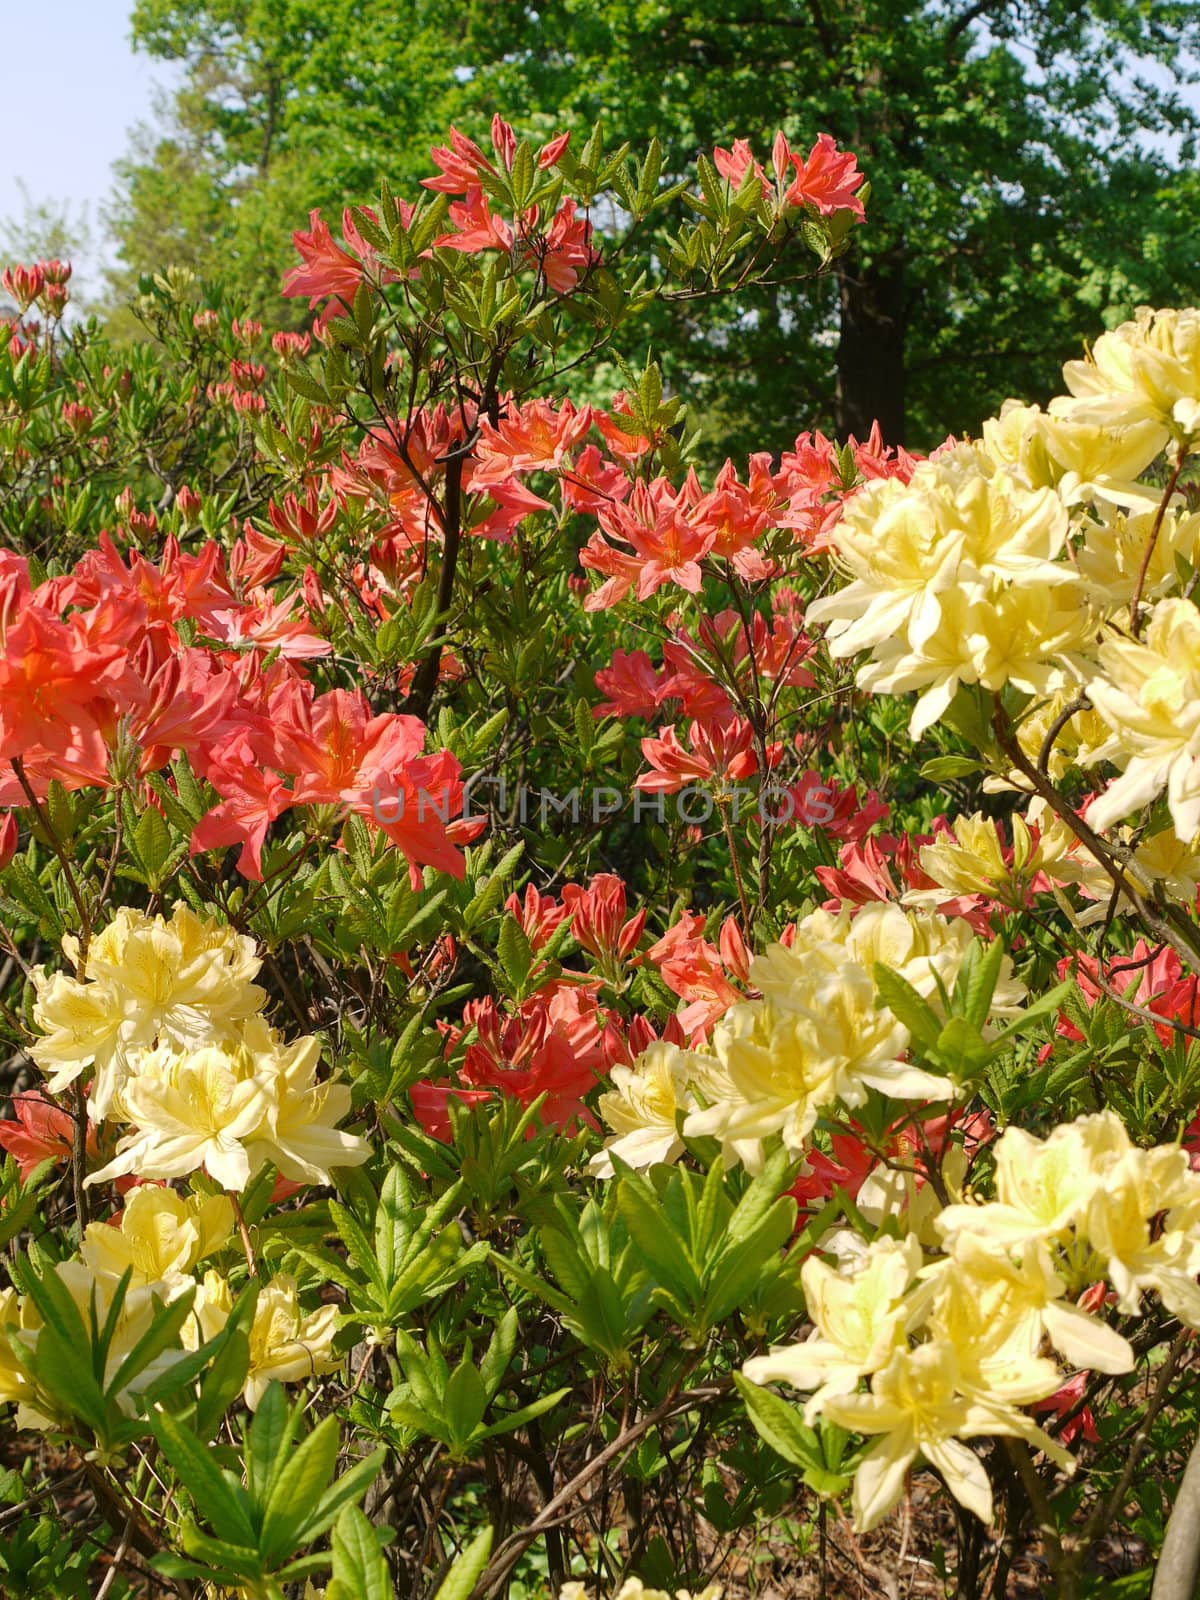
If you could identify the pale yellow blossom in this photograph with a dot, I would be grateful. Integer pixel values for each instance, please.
(643, 1107)
(286, 1344)
(1148, 693)
(1146, 370)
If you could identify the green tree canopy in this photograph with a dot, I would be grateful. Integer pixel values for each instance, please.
(1031, 165)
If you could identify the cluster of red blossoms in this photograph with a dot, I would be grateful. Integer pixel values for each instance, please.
(561, 1040)
(100, 686)
(43, 284)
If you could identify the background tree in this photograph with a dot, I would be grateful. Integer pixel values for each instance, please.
(1030, 164)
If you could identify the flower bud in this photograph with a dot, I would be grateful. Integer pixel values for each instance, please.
(24, 284)
(8, 839)
(53, 300)
(290, 346)
(189, 505)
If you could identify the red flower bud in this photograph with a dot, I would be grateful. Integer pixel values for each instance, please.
(8, 839)
(24, 284)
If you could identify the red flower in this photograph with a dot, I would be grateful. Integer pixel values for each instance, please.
(828, 180)
(328, 269)
(40, 1132)
(598, 919)
(251, 799)
(529, 438)
(475, 228)
(567, 251)
(630, 683)
(1063, 1401)
(538, 914)
(552, 1046)
(722, 751)
(431, 1108)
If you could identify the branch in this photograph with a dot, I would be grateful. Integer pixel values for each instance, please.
(972, 14)
(1179, 1563)
(514, 1547)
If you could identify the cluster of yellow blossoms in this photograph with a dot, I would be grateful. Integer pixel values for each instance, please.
(159, 1240)
(169, 1019)
(951, 1323)
(1032, 556)
(817, 1039)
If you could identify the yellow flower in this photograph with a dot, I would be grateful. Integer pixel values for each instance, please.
(971, 860)
(779, 1075)
(1149, 696)
(916, 1403)
(924, 947)
(1112, 551)
(634, 1589)
(161, 1235)
(1137, 1258)
(299, 1133)
(285, 1344)
(1043, 1186)
(1028, 637)
(210, 1311)
(189, 1112)
(906, 546)
(860, 1318)
(14, 1385)
(229, 1108)
(1080, 460)
(184, 982)
(1147, 370)
(1073, 746)
(995, 1311)
(642, 1108)
(80, 1024)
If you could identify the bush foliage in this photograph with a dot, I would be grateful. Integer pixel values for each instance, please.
(535, 1061)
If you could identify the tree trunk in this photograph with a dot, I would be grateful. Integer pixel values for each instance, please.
(870, 360)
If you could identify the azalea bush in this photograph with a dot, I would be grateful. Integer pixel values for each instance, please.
(536, 1066)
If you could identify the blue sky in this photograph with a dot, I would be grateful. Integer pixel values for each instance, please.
(69, 103)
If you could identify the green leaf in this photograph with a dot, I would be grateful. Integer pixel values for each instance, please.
(223, 1381)
(760, 1198)
(160, 1335)
(515, 954)
(499, 1352)
(467, 1569)
(393, 1223)
(268, 1440)
(942, 768)
(57, 1365)
(359, 1569)
(296, 1491)
(526, 1414)
(465, 1402)
(152, 844)
(222, 1504)
(907, 1006)
(357, 1241)
(655, 1238)
(780, 1425)
(351, 1486)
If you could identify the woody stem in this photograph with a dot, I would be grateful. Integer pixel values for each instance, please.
(244, 1233)
(743, 900)
(1148, 552)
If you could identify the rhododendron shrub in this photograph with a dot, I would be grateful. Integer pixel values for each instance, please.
(570, 1018)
